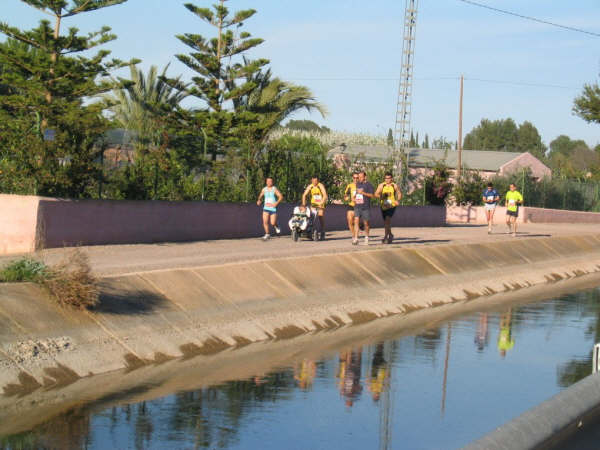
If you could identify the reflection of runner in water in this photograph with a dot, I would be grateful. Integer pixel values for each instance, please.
(481, 335)
(379, 372)
(505, 339)
(305, 374)
(349, 375)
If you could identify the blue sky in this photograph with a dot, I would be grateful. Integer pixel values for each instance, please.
(348, 53)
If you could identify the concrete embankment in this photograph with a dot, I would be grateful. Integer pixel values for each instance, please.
(152, 317)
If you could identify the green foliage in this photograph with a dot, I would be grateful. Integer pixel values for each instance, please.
(24, 269)
(572, 159)
(46, 76)
(504, 135)
(306, 125)
(437, 185)
(390, 138)
(587, 105)
(441, 143)
(468, 190)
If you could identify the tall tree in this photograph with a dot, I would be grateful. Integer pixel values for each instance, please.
(426, 141)
(137, 106)
(268, 105)
(219, 66)
(499, 135)
(587, 105)
(529, 140)
(49, 79)
(390, 138)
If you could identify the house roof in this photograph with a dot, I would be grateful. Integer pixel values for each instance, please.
(419, 157)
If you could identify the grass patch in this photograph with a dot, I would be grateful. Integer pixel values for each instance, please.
(25, 269)
(70, 282)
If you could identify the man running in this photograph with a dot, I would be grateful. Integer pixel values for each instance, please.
(348, 194)
(272, 198)
(490, 200)
(513, 200)
(318, 200)
(362, 206)
(389, 195)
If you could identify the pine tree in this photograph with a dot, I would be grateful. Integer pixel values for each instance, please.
(49, 76)
(223, 75)
(426, 141)
(417, 140)
(390, 138)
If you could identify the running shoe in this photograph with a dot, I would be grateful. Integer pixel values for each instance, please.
(366, 240)
(322, 237)
(390, 238)
(354, 241)
(277, 230)
(266, 237)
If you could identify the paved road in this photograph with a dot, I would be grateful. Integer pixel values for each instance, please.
(117, 259)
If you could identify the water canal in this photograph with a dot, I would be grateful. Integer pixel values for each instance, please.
(438, 389)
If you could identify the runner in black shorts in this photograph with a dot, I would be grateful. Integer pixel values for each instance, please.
(389, 195)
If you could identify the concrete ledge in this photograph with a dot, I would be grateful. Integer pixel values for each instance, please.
(549, 423)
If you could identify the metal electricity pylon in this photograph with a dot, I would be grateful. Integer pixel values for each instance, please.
(404, 106)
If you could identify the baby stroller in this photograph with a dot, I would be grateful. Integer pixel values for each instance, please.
(302, 223)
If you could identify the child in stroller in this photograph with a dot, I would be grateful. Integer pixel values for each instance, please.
(303, 223)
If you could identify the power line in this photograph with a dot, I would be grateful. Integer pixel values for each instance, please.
(564, 27)
(522, 83)
(483, 80)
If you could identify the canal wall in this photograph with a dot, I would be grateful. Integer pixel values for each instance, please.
(149, 318)
(31, 223)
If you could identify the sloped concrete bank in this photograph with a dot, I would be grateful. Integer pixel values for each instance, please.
(151, 318)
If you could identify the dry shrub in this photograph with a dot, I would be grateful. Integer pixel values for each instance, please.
(71, 282)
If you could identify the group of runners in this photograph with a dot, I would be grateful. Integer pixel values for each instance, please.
(359, 194)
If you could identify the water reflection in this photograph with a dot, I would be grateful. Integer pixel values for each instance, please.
(394, 385)
(505, 337)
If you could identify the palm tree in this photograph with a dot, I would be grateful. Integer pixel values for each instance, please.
(272, 101)
(137, 106)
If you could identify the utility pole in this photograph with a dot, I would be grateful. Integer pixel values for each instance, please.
(460, 119)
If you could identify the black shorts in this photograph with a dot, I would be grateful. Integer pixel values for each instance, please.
(385, 213)
(512, 213)
(349, 208)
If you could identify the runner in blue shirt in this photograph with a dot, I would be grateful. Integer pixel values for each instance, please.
(272, 198)
(490, 200)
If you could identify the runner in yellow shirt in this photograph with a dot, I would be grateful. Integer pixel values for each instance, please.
(318, 200)
(513, 200)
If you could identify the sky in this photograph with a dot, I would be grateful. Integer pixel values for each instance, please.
(348, 52)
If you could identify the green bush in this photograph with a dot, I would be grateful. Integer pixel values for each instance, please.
(24, 269)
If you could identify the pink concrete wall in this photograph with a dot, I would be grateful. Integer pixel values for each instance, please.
(542, 215)
(57, 223)
(19, 223)
(476, 215)
(526, 160)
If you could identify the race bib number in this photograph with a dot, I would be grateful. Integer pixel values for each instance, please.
(512, 202)
(490, 198)
(359, 199)
(388, 202)
(270, 205)
(317, 198)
